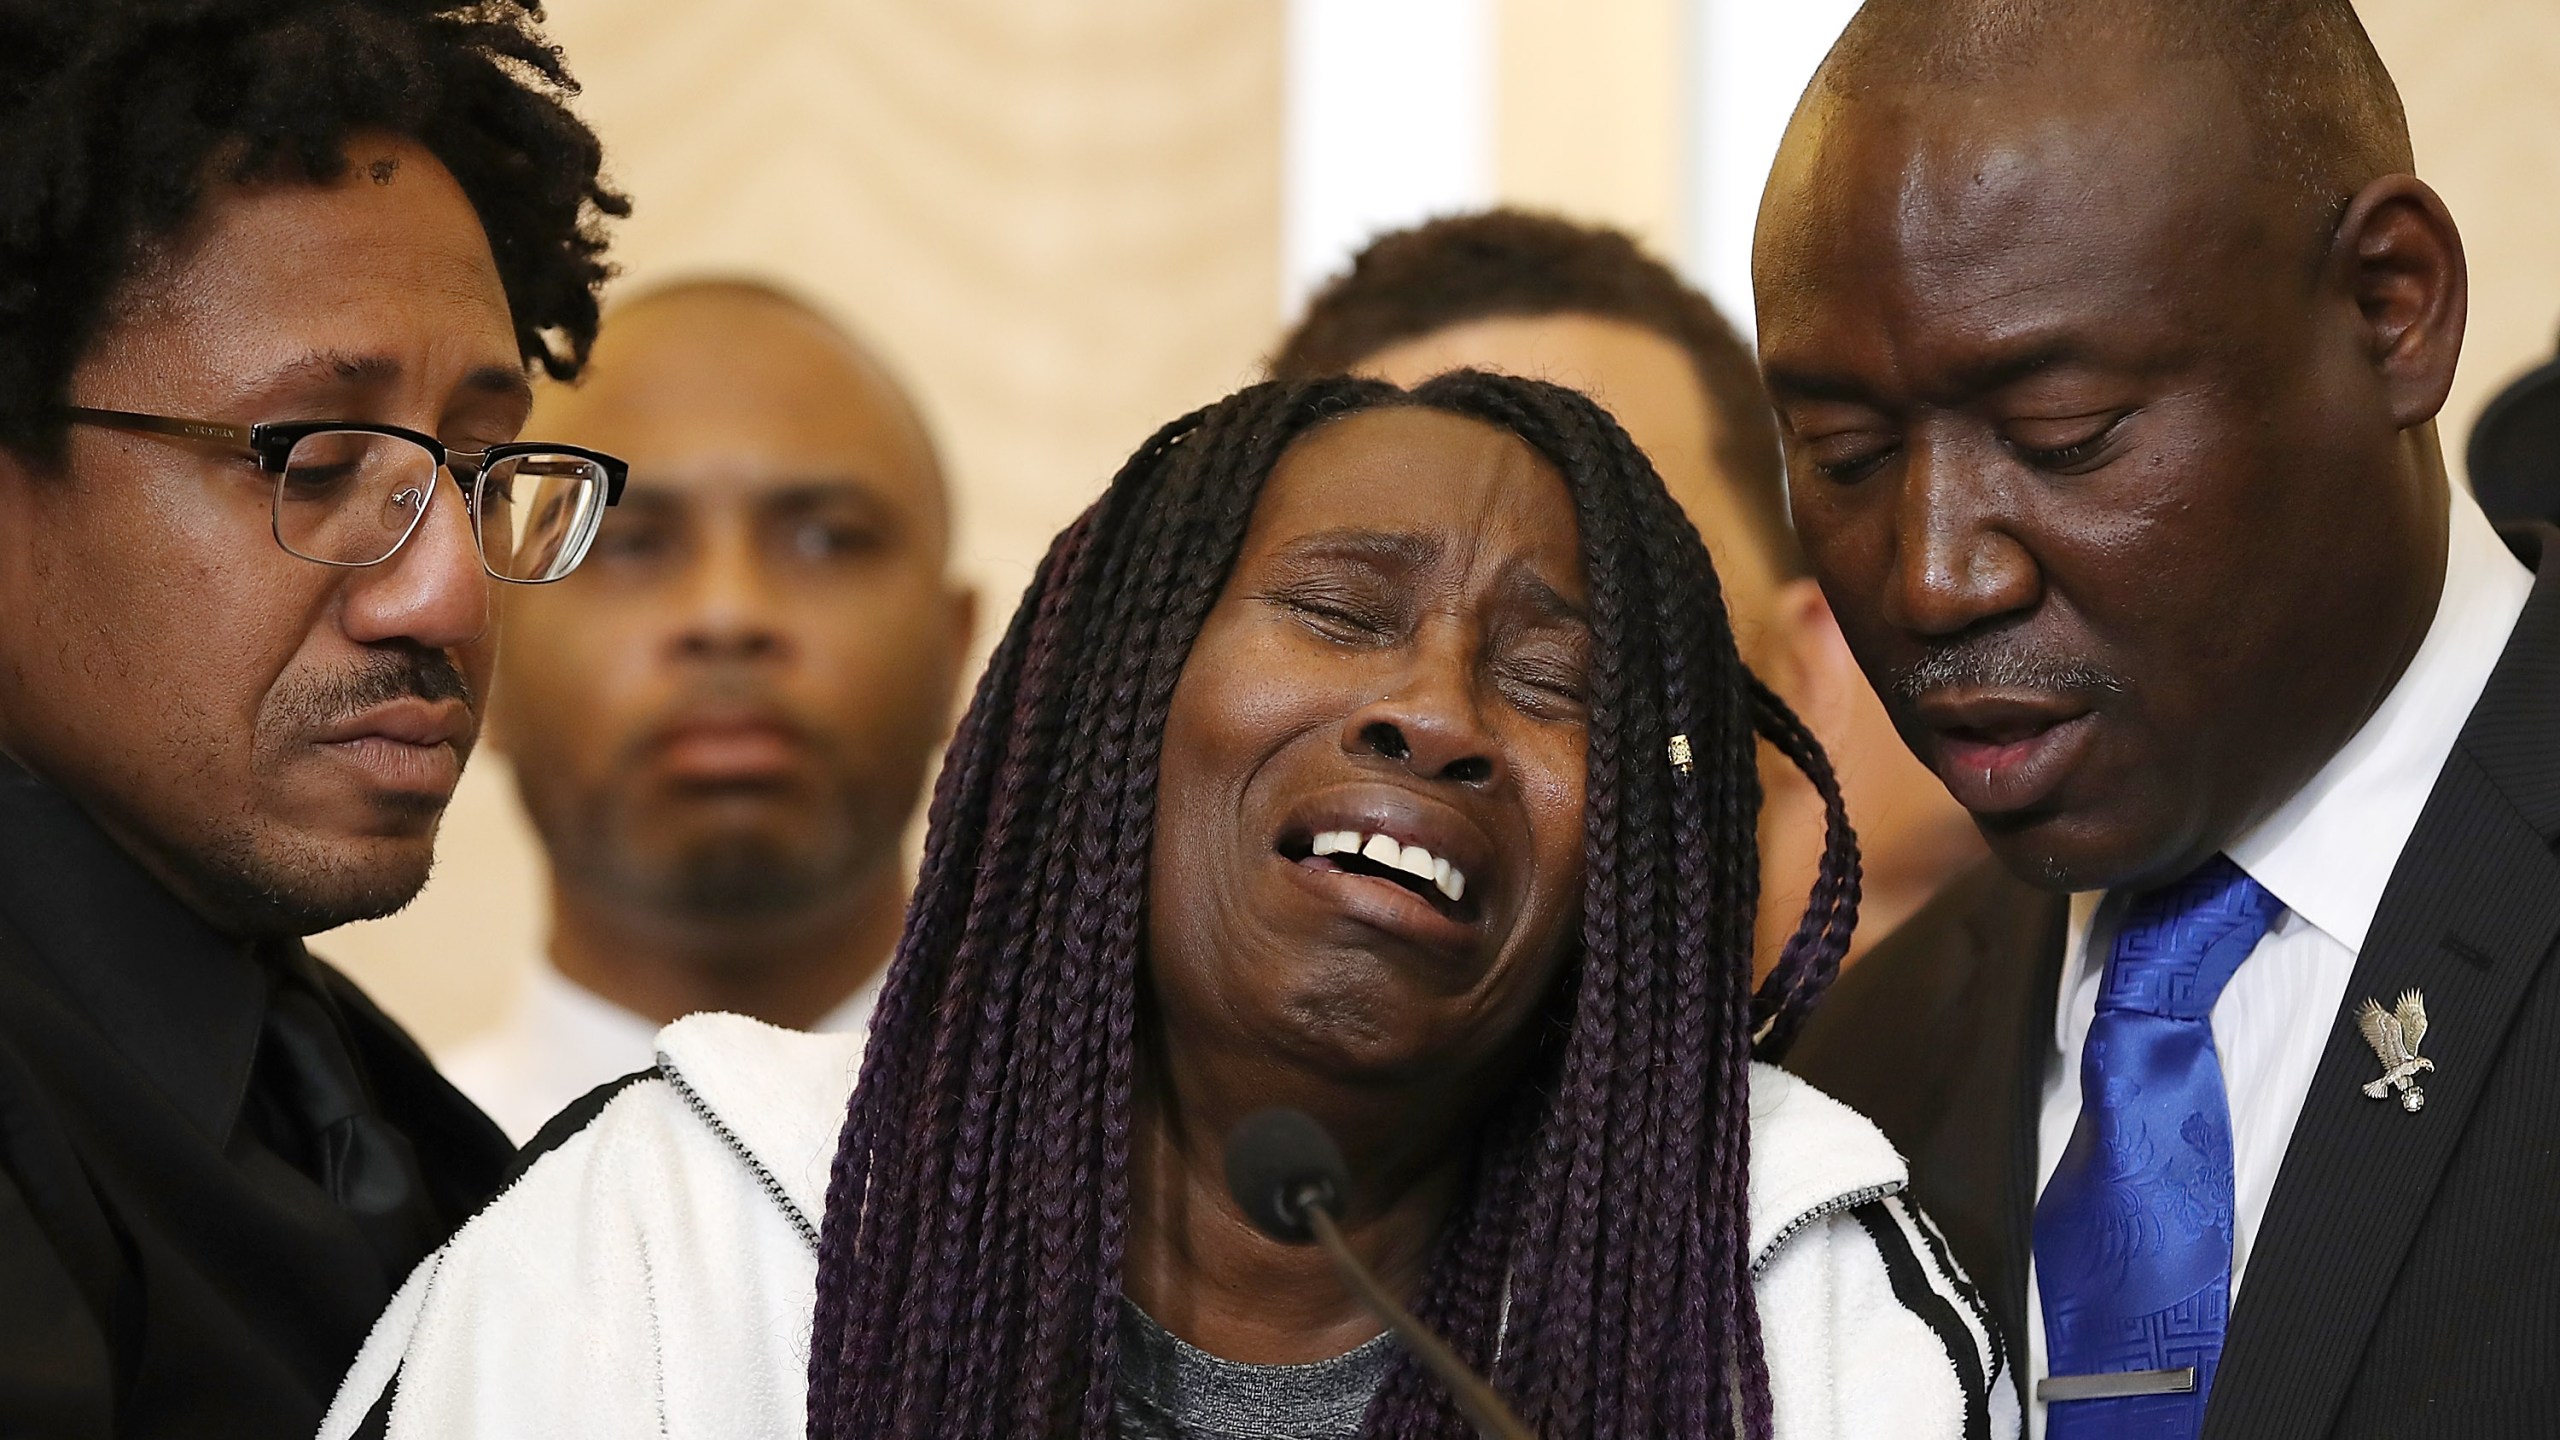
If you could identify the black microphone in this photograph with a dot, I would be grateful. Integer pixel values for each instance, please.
(1287, 1176)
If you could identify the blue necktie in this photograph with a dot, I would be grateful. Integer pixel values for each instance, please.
(2133, 1234)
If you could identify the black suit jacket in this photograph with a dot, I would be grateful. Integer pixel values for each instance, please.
(2406, 1280)
(173, 1259)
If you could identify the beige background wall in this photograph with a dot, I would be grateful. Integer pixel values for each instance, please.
(1059, 219)
(1062, 219)
(1591, 112)
(2482, 82)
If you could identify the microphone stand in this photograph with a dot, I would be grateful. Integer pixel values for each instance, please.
(1478, 1401)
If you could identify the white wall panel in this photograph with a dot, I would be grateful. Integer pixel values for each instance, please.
(1390, 120)
(1753, 59)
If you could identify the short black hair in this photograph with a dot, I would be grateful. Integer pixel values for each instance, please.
(116, 116)
(1507, 262)
(2321, 106)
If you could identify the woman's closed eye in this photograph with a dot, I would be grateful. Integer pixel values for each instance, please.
(1545, 677)
(1343, 613)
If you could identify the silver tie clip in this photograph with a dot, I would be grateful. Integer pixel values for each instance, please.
(2118, 1383)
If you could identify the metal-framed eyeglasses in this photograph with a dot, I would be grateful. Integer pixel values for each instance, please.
(349, 493)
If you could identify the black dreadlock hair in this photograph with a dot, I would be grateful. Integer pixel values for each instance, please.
(116, 114)
(977, 1218)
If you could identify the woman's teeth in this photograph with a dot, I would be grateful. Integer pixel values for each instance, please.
(1389, 851)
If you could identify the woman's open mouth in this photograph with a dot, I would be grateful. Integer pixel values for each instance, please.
(1376, 855)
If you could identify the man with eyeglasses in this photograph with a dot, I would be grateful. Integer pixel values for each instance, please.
(272, 273)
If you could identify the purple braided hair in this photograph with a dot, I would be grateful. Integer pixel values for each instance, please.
(1596, 1265)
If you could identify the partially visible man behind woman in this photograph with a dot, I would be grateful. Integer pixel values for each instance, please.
(1382, 754)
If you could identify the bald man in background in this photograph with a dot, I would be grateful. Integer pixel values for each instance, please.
(1585, 306)
(722, 725)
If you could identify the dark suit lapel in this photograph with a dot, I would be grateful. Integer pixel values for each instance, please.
(1941, 1037)
(2469, 918)
(2031, 1054)
(2014, 954)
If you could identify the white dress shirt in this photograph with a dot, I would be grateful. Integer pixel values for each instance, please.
(2326, 854)
(560, 1040)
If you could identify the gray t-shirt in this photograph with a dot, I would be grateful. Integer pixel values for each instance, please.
(1169, 1390)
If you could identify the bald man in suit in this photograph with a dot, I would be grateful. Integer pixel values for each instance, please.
(2108, 341)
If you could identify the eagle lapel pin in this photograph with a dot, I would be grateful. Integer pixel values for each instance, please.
(2394, 1035)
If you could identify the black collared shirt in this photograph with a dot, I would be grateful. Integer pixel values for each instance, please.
(172, 1262)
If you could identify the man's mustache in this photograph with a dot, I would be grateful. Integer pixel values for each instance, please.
(1997, 663)
(381, 677)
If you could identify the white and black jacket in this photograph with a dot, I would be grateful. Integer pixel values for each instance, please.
(654, 1270)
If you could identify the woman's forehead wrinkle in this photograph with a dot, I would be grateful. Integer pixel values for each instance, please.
(1386, 549)
(1521, 584)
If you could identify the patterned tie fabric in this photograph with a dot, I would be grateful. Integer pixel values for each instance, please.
(2133, 1234)
(325, 1124)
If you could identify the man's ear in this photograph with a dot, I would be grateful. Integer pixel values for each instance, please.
(497, 736)
(494, 730)
(964, 617)
(21, 475)
(1826, 682)
(2402, 257)
(18, 469)
(960, 611)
